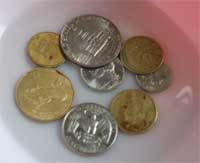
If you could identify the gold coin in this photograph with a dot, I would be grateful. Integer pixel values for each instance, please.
(134, 111)
(142, 55)
(44, 94)
(44, 50)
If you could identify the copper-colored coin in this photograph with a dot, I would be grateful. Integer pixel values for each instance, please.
(142, 55)
(44, 94)
(44, 50)
(134, 111)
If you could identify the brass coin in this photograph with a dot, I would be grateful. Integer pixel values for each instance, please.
(142, 55)
(44, 50)
(44, 94)
(134, 111)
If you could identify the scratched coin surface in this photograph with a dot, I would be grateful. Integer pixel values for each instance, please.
(44, 50)
(155, 82)
(44, 94)
(89, 128)
(142, 55)
(91, 41)
(134, 111)
(104, 78)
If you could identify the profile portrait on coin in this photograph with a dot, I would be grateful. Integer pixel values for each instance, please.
(89, 128)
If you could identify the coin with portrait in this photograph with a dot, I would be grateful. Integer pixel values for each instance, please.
(134, 111)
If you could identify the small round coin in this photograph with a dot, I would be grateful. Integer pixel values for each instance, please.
(44, 94)
(91, 41)
(89, 129)
(155, 82)
(142, 55)
(44, 50)
(134, 111)
(104, 78)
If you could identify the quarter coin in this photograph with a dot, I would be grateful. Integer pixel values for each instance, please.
(90, 41)
(89, 129)
(44, 94)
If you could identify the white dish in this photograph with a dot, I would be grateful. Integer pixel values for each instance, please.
(172, 23)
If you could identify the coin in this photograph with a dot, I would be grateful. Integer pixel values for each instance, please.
(44, 94)
(104, 78)
(155, 82)
(142, 55)
(134, 111)
(91, 41)
(89, 128)
(44, 50)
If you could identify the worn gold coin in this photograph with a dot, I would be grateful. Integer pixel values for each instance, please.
(142, 55)
(44, 94)
(134, 111)
(44, 50)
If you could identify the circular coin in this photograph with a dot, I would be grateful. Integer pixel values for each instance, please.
(104, 78)
(91, 41)
(134, 111)
(44, 94)
(142, 55)
(89, 128)
(44, 50)
(155, 82)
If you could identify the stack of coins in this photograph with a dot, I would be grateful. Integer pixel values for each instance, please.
(94, 43)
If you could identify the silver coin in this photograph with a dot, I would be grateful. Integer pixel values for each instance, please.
(155, 82)
(104, 78)
(89, 128)
(90, 41)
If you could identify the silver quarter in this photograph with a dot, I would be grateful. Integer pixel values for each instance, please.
(89, 128)
(90, 41)
(155, 82)
(104, 78)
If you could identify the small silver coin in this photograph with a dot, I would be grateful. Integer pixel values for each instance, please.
(90, 41)
(89, 128)
(104, 78)
(155, 82)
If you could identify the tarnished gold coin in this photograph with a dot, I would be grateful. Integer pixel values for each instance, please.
(134, 111)
(142, 55)
(44, 94)
(44, 50)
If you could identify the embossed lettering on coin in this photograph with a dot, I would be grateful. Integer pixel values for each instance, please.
(142, 55)
(89, 128)
(104, 78)
(44, 50)
(91, 41)
(156, 81)
(44, 94)
(134, 111)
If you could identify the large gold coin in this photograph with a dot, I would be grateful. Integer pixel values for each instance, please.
(134, 111)
(44, 50)
(44, 94)
(142, 55)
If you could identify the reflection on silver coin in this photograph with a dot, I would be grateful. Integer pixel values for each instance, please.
(90, 41)
(156, 81)
(89, 128)
(104, 78)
